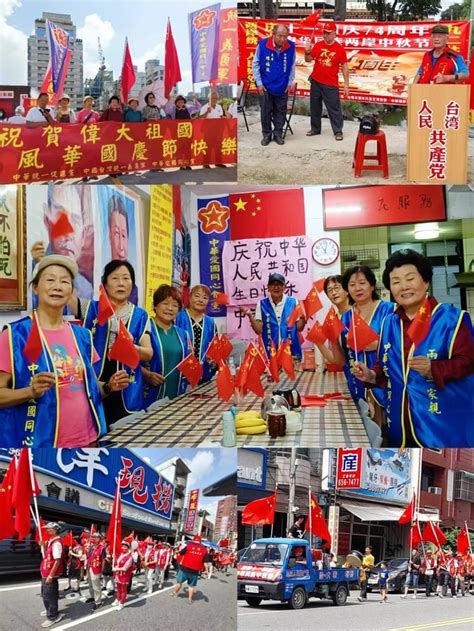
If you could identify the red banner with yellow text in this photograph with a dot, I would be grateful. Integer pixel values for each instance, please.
(75, 151)
(383, 57)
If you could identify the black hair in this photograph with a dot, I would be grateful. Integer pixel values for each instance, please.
(407, 257)
(115, 264)
(147, 96)
(367, 272)
(114, 98)
(337, 278)
(116, 205)
(42, 94)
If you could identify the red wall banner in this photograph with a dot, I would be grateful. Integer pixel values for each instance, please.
(383, 57)
(75, 151)
(349, 467)
(227, 55)
(192, 510)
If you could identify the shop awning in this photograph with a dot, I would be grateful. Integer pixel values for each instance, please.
(371, 511)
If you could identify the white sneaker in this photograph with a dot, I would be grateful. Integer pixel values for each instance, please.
(116, 602)
(414, 596)
(404, 596)
(49, 623)
(150, 591)
(120, 607)
(44, 613)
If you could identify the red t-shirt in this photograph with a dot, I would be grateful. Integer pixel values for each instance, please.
(327, 60)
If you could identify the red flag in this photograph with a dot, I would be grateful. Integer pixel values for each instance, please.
(312, 302)
(24, 487)
(128, 74)
(114, 532)
(7, 522)
(61, 227)
(219, 349)
(172, 70)
(34, 346)
(68, 540)
(93, 529)
(105, 309)
(311, 20)
(316, 334)
(317, 525)
(257, 361)
(295, 315)
(191, 369)
(364, 334)
(332, 325)
(260, 512)
(409, 513)
(274, 369)
(123, 349)
(432, 533)
(416, 536)
(130, 537)
(253, 382)
(420, 325)
(223, 543)
(222, 299)
(225, 383)
(262, 351)
(319, 284)
(41, 534)
(285, 359)
(265, 214)
(463, 541)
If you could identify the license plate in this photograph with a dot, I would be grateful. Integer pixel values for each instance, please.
(373, 581)
(251, 589)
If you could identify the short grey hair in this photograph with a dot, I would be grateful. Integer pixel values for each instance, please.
(277, 26)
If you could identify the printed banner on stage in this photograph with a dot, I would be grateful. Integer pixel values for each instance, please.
(73, 151)
(228, 45)
(213, 227)
(383, 57)
(160, 241)
(192, 511)
(247, 264)
(204, 36)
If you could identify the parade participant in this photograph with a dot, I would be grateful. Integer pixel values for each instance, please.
(271, 317)
(164, 554)
(179, 109)
(122, 385)
(113, 112)
(297, 530)
(273, 68)
(299, 556)
(51, 569)
(150, 561)
(136, 558)
(383, 578)
(95, 559)
(192, 563)
(171, 344)
(442, 575)
(329, 57)
(132, 114)
(441, 64)
(19, 117)
(40, 115)
(413, 574)
(107, 572)
(151, 111)
(208, 563)
(469, 572)
(200, 327)
(461, 575)
(123, 570)
(56, 400)
(428, 569)
(87, 115)
(430, 392)
(452, 568)
(367, 565)
(332, 561)
(212, 109)
(74, 566)
(64, 114)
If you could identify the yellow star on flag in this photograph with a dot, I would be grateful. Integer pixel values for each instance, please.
(240, 205)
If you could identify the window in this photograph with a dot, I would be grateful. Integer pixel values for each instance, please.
(427, 478)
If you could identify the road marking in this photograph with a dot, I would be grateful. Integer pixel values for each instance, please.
(432, 625)
(29, 586)
(104, 612)
(259, 613)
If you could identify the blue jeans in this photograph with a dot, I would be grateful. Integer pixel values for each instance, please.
(50, 596)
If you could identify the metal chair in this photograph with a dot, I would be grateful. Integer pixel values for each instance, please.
(289, 109)
(242, 92)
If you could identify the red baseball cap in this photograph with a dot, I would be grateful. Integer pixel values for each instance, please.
(329, 27)
(197, 538)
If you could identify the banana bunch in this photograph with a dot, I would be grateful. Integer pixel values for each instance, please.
(250, 422)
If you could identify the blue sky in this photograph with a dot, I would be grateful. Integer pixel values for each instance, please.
(143, 22)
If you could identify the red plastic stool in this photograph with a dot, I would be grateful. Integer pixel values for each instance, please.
(360, 157)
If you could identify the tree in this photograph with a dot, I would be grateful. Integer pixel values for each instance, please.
(340, 10)
(268, 9)
(457, 11)
(405, 10)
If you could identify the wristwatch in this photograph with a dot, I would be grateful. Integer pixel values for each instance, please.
(456, 77)
(107, 390)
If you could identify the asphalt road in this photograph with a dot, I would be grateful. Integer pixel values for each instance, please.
(213, 609)
(396, 614)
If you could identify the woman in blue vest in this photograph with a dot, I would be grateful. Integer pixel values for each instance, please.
(119, 280)
(429, 387)
(55, 400)
(200, 327)
(171, 344)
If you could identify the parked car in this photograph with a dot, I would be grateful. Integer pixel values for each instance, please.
(398, 569)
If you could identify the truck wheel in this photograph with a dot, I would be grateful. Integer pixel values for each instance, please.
(298, 599)
(253, 601)
(340, 595)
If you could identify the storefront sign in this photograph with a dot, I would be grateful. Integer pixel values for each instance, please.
(349, 466)
(252, 468)
(192, 510)
(160, 241)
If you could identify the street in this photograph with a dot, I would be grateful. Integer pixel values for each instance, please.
(395, 615)
(214, 607)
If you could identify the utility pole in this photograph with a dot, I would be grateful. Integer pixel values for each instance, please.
(292, 488)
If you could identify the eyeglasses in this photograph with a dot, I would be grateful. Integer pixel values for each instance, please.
(333, 288)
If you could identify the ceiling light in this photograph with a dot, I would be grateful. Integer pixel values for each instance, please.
(426, 231)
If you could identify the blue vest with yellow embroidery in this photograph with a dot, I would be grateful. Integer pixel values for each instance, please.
(183, 320)
(132, 396)
(356, 387)
(153, 393)
(275, 66)
(279, 333)
(438, 418)
(35, 423)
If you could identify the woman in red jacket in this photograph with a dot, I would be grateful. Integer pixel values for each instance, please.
(123, 570)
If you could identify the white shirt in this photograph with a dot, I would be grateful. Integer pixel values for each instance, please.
(278, 308)
(35, 116)
(57, 549)
(233, 109)
(215, 112)
(19, 120)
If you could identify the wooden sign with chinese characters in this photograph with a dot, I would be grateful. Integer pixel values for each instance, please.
(438, 118)
(12, 248)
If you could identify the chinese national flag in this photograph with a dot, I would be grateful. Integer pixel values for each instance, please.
(311, 20)
(123, 350)
(274, 368)
(257, 361)
(172, 69)
(463, 541)
(253, 382)
(409, 513)
(7, 522)
(61, 227)
(93, 529)
(316, 334)
(41, 534)
(24, 487)
(68, 540)
(222, 298)
(225, 383)
(34, 346)
(114, 532)
(318, 525)
(265, 214)
(364, 334)
(312, 302)
(432, 533)
(420, 325)
(295, 315)
(242, 373)
(219, 349)
(415, 536)
(260, 512)
(262, 351)
(128, 74)
(285, 359)
(332, 325)
(130, 537)
(105, 309)
(191, 368)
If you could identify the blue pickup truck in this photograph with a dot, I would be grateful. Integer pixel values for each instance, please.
(284, 569)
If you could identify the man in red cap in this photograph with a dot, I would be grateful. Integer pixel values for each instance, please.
(329, 56)
(192, 562)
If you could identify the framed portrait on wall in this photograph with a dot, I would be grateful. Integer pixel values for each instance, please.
(12, 248)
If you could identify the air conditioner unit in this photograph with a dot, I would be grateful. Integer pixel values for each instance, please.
(434, 489)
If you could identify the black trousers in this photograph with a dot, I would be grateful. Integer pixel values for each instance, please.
(363, 589)
(50, 596)
(431, 583)
(330, 96)
(273, 110)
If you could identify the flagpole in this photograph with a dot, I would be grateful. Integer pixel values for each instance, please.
(35, 501)
(310, 518)
(117, 495)
(354, 329)
(274, 511)
(468, 537)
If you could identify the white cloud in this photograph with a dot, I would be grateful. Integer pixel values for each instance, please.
(212, 509)
(13, 59)
(8, 6)
(157, 52)
(201, 465)
(94, 27)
